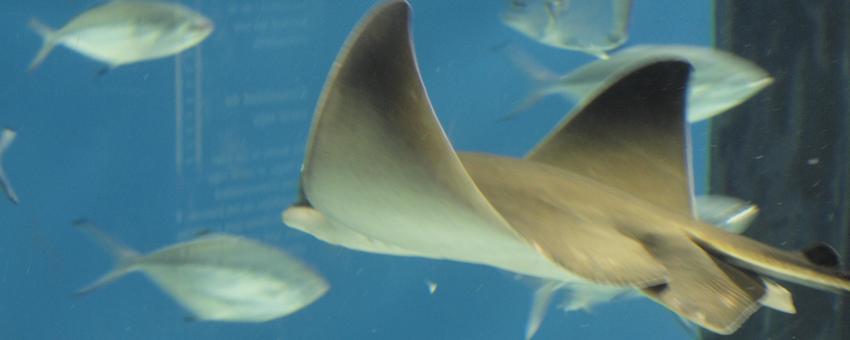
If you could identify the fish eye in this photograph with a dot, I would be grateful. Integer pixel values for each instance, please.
(518, 4)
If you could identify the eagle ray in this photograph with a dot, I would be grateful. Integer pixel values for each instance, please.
(604, 200)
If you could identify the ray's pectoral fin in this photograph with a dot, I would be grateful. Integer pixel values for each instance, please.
(637, 122)
(632, 137)
(570, 231)
(628, 136)
(378, 160)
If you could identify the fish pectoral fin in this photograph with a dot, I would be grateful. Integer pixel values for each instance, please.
(540, 305)
(711, 293)
(48, 35)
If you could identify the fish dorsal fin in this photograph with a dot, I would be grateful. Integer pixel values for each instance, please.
(631, 136)
(377, 158)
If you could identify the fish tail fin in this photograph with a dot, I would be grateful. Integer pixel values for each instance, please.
(544, 78)
(125, 257)
(47, 34)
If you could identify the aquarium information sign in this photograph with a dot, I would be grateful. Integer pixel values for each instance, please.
(242, 115)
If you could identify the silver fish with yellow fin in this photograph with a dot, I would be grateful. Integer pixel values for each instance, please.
(122, 32)
(720, 80)
(219, 277)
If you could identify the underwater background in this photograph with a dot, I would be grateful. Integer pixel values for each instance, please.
(159, 151)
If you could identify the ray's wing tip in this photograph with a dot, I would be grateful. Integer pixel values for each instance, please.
(397, 4)
(392, 8)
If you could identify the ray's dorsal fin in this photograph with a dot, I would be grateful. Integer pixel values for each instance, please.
(822, 254)
(632, 136)
(377, 159)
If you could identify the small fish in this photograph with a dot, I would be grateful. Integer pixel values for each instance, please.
(720, 80)
(124, 31)
(219, 277)
(590, 26)
(6, 138)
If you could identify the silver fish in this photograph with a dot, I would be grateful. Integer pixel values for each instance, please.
(7, 136)
(604, 200)
(719, 82)
(219, 277)
(126, 31)
(590, 26)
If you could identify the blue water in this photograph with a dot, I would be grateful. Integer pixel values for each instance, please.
(113, 148)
